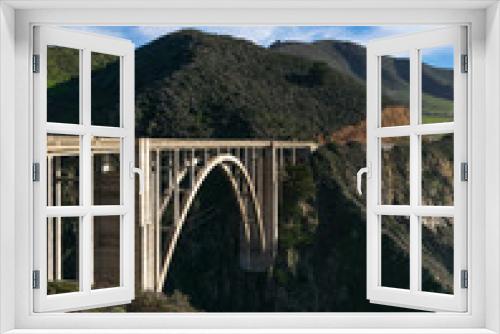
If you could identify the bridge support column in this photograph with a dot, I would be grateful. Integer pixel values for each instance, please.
(157, 216)
(246, 236)
(271, 182)
(265, 175)
(146, 220)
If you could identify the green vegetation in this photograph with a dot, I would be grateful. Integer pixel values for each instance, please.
(143, 301)
(62, 286)
(64, 64)
(436, 110)
(153, 302)
(297, 188)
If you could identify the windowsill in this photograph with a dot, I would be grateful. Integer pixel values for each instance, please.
(259, 331)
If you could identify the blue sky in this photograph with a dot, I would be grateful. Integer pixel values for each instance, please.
(266, 35)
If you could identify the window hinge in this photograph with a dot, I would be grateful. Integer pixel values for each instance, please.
(36, 279)
(36, 63)
(464, 279)
(36, 172)
(465, 63)
(464, 171)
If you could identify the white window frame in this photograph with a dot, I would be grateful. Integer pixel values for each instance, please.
(16, 20)
(86, 44)
(456, 37)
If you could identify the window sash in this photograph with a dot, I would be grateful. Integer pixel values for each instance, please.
(414, 297)
(86, 297)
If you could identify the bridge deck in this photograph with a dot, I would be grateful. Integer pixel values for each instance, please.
(157, 143)
(70, 145)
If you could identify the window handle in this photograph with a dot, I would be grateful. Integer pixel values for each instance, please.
(140, 173)
(359, 177)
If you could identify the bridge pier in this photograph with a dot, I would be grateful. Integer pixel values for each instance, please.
(252, 257)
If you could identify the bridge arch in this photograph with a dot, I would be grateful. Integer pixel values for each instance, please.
(223, 160)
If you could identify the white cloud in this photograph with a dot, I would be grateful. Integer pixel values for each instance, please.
(150, 33)
(258, 35)
(376, 32)
(267, 35)
(264, 35)
(110, 31)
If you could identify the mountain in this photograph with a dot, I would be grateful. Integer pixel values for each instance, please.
(194, 85)
(350, 59)
(190, 84)
(173, 99)
(346, 57)
(198, 85)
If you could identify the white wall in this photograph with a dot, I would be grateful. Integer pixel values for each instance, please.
(7, 175)
(492, 211)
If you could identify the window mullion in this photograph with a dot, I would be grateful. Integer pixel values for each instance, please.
(86, 168)
(415, 243)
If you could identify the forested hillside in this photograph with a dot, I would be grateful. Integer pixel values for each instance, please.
(191, 84)
(220, 87)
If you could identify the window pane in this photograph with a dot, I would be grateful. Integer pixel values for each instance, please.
(437, 254)
(437, 84)
(106, 254)
(437, 169)
(395, 78)
(63, 170)
(395, 166)
(62, 255)
(63, 85)
(106, 173)
(395, 251)
(105, 90)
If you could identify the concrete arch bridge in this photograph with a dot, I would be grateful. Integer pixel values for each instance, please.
(175, 170)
